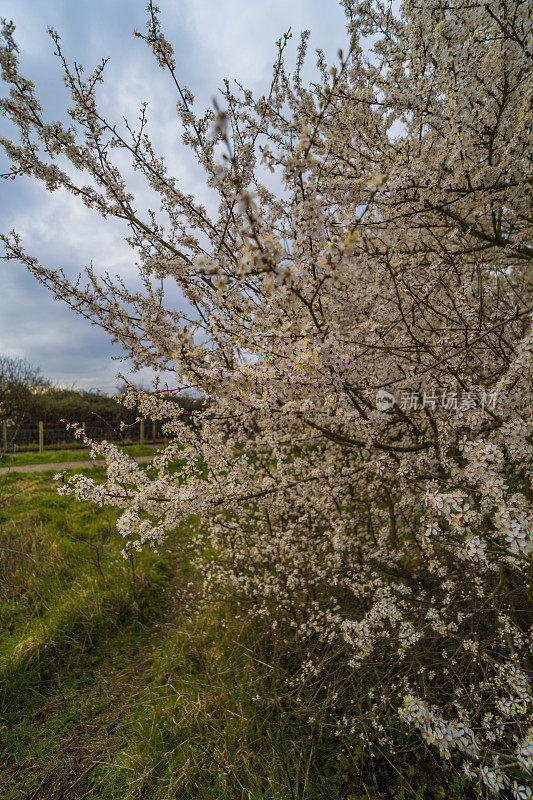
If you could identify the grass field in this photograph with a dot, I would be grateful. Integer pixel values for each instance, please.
(117, 682)
(57, 456)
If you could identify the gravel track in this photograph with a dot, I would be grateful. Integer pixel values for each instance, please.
(59, 467)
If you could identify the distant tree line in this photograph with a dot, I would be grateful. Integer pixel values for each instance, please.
(27, 397)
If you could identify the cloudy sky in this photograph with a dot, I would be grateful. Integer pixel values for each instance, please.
(212, 40)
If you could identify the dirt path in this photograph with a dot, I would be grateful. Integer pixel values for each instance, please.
(83, 715)
(59, 467)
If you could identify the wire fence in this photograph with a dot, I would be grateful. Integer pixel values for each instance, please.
(27, 438)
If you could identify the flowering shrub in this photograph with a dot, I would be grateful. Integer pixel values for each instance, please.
(344, 492)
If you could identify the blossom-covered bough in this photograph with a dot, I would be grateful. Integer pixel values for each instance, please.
(362, 466)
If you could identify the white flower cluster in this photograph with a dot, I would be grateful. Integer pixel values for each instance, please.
(438, 731)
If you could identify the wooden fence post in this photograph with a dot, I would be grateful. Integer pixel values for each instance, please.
(4, 436)
(141, 434)
(41, 437)
(153, 430)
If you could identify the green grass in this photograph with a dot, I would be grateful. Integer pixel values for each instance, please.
(117, 683)
(58, 456)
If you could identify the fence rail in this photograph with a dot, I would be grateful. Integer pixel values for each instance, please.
(38, 437)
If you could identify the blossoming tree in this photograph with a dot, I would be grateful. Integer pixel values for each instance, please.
(362, 463)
